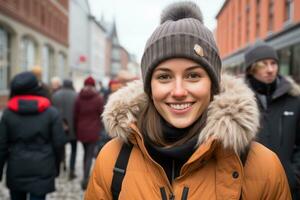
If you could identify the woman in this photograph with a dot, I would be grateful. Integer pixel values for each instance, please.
(31, 139)
(190, 131)
(87, 110)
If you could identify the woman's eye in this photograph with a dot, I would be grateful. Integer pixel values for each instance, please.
(163, 77)
(193, 76)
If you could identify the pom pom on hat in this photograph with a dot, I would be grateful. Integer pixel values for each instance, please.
(181, 10)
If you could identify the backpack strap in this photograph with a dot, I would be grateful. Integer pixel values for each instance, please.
(120, 170)
(244, 155)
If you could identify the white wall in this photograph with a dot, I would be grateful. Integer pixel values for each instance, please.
(97, 52)
(79, 37)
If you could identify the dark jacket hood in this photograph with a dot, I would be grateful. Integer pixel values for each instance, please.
(28, 104)
(87, 93)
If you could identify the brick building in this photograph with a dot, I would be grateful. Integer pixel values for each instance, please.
(241, 22)
(33, 33)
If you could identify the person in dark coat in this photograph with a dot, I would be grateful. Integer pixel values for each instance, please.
(64, 101)
(88, 109)
(31, 136)
(279, 102)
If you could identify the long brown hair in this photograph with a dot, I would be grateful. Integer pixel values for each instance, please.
(150, 124)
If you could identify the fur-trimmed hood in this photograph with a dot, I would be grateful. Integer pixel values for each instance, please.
(295, 88)
(233, 116)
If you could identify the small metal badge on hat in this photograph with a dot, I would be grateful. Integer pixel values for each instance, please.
(198, 50)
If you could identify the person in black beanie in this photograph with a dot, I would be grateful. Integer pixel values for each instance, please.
(279, 102)
(31, 137)
(185, 131)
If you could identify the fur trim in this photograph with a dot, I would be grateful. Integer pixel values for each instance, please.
(233, 116)
(122, 108)
(295, 90)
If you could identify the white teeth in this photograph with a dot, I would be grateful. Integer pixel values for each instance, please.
(180, 106)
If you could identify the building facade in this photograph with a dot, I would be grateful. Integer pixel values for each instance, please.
(97, 49)
(79, 40)
(117, 57)
(33, 33)
(241, 22)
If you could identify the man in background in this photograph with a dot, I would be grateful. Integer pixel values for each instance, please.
(279, 103)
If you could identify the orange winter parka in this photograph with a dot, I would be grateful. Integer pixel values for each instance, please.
(214, 171)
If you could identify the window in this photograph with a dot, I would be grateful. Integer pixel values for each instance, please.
(28, 47)
(285, 61)
(248, 21)
(61, 65)
(296, 62)
(271, 15)
(47, 62)
(288, 10)
(3, 59)
(257, 18)
(115, 54)
(115, 68)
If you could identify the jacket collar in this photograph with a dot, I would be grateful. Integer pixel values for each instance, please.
(28, 104)
(232, 118)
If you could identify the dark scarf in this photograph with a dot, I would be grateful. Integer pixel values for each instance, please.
(263, 88)
(172, 158)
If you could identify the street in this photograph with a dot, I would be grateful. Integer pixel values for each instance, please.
(65, 189)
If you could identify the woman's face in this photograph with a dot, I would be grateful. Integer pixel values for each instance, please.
(181, 91)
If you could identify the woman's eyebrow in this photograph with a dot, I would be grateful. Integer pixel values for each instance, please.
(162, 69)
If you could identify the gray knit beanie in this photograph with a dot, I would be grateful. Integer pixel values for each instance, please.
(259, 51)
(182, 34)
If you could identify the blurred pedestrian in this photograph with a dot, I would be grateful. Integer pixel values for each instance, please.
(55, 84)
(31, 136)
(88, 108)
(189, 134)
(103, 91)
(64, 101)
(279, 102)
(37, 71)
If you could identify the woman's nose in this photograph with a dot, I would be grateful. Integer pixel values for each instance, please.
(179, 89)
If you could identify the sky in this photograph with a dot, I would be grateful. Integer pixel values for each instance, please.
(137, 19)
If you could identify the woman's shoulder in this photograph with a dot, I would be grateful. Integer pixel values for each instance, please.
(108, 155)
(111, 149)
(264, 162)
(105, 162)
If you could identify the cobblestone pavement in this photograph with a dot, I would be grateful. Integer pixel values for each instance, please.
(65, 189)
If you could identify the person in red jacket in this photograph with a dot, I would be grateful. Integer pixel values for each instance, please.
(87, 111)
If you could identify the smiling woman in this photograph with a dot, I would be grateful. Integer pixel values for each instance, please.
(188, 133)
